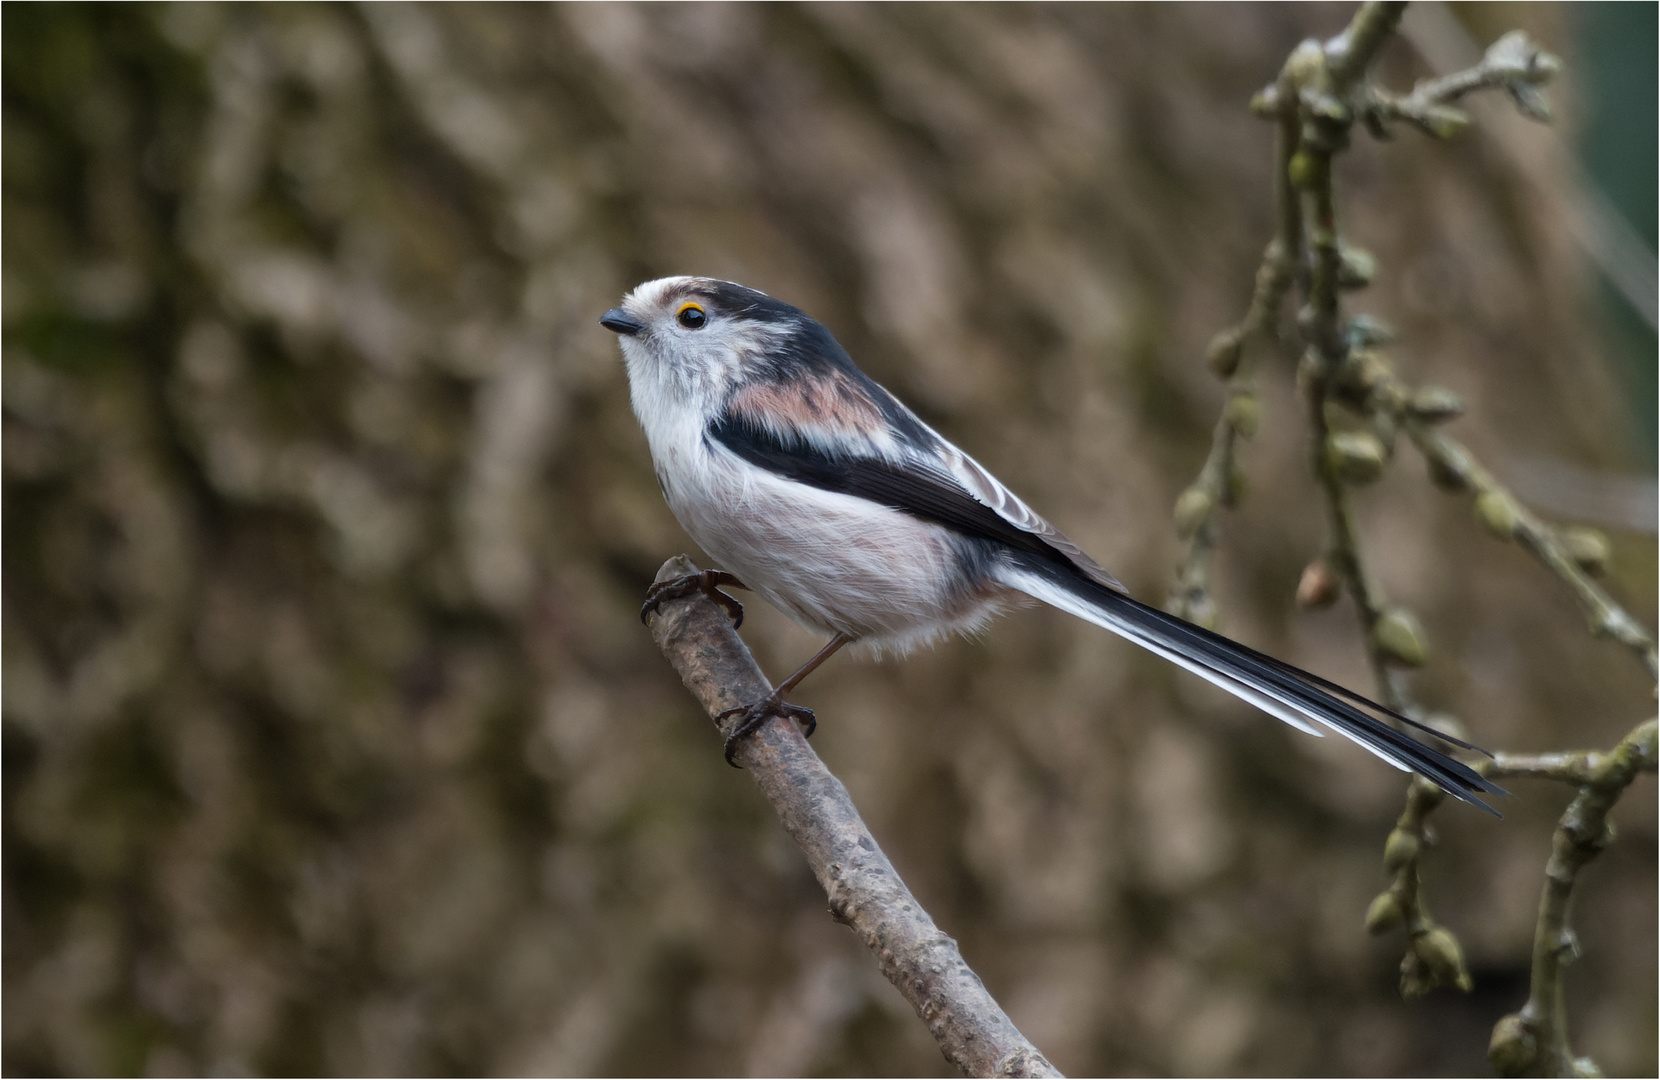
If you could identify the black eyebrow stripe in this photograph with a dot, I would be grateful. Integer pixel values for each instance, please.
(733, 299)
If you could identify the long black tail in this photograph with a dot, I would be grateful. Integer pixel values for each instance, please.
(1299, 698)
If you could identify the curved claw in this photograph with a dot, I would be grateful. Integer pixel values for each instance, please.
(757, 714)
(706, 582)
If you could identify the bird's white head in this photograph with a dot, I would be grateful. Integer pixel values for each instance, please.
(695, 339)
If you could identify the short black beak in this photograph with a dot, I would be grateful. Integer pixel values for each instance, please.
(618, 321)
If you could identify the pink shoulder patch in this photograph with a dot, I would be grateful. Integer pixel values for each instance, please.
(830, 403)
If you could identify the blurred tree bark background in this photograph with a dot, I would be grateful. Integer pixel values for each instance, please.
(333, 742)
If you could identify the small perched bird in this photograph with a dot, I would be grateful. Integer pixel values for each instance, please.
(825, 495)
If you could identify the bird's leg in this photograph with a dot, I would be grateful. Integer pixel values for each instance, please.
(774, 704)
(706, 582)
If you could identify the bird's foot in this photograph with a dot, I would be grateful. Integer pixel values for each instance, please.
(706, 582)
(756, 715)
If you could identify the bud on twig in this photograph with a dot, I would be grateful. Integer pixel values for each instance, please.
(1513, 1051)
(1324, 105)
(1499, 512)
(1384, 914)
(1225, 351)
(1441, 954)
(1401, 848)
(1355, 457)
(1244, 413)
(1525, 67)
(1588, 548)
(1363, 371)
(1516, 56)
(1444, 121)
(1435, 404)
(1192, 508)
(1303, 170)
(1319, 586)
(1356, 267)
(1400, 637)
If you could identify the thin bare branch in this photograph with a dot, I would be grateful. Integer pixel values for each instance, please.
(1217, 484)
(1357, 408)
(865, 892)
(1534, 1041)
(1506, 517)
(1433, 956)
(1351, 53)
(1514, 64)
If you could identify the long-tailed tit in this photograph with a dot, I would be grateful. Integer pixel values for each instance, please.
(829, 498)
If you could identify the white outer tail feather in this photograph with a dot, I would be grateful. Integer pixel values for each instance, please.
(1057, 595)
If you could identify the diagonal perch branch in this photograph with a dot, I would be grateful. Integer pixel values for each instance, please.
(865, 892)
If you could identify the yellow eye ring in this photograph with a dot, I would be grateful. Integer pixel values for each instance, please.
(691, 316)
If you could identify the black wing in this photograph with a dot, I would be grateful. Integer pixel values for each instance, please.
(913, 487)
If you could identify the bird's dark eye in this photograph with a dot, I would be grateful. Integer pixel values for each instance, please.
(691, 317)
